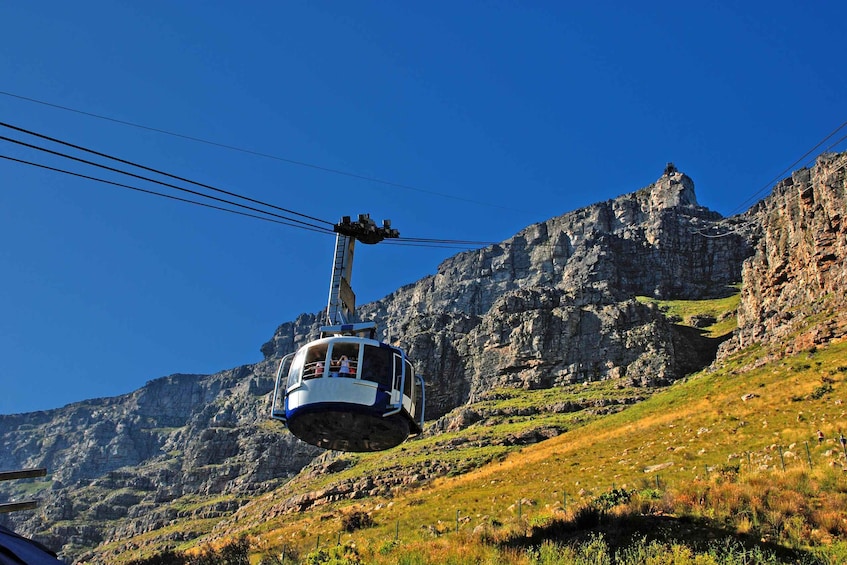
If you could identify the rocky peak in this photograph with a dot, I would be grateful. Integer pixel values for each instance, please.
(673, 189)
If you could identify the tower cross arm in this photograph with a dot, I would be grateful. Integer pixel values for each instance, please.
(365, 229)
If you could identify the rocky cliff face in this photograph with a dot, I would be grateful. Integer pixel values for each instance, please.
(116, 463)
(799, 268)
(188, 415)
(554, 304)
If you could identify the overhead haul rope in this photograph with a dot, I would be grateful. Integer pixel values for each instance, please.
(790, 167)
(163, 195)
(364, 177)
(157, 171)
(746, 223)
(169, 185)
(292, 222)
(407, 241)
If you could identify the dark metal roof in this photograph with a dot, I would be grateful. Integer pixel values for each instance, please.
(17, 550)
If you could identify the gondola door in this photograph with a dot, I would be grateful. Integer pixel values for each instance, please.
(280, 388)
(399, 371)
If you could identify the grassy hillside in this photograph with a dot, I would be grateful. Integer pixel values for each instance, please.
(731, 452)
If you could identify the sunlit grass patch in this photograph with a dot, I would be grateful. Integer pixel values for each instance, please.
(716, 317)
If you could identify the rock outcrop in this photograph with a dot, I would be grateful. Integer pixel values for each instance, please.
(799, 268)
(116, 463)
(555, 303)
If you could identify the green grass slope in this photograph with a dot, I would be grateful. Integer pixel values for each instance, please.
(731, 452)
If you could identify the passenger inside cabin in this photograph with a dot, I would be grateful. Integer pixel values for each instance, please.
(344, 366)
(315, 366)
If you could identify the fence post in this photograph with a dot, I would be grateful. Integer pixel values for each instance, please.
(808, 454)
(457, 521)
(318, 543)
(397, 531)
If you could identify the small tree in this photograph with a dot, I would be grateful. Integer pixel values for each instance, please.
(356, 520)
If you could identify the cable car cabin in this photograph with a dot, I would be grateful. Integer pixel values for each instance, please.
(349, 392)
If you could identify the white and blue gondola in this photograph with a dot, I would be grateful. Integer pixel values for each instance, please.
(348, 391)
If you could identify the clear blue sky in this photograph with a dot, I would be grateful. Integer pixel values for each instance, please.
(500, 114)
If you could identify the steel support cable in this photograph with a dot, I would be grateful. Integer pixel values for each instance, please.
(460, 244)
(414, 242)
(162, 194)
(736, 230)
(833, 144)
(746, 223)
(152, 170)
(131, 163)
(444, 244)
(169, 185)
(799, 194)
(258, 153)
(791, 166)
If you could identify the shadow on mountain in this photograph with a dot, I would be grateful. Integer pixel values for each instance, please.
(621, 532)
(694, 349)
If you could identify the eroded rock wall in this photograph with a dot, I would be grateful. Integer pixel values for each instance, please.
(555, 303)
(799, 268)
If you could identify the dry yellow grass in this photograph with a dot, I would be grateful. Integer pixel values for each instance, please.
(737, 446)
(688, 434)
